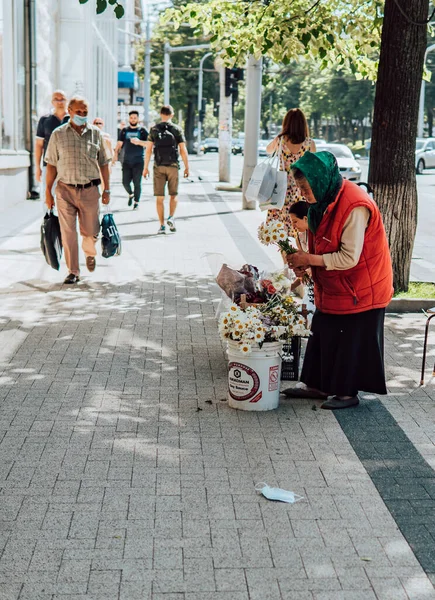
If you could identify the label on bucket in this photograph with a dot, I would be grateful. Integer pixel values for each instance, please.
(243, 382)
(273, 378)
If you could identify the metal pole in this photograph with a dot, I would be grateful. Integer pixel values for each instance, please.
(166, 74)
(420, 129)
(147, 72)
(254, 72)
(225, 129)
(200, 81)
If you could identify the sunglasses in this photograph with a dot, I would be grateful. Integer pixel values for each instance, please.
(98, 123)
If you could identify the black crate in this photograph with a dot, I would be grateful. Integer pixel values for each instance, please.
(291, 355)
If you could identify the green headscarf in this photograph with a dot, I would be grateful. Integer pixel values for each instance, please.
(321, 171)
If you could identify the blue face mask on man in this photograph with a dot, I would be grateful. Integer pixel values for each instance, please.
(79, 121)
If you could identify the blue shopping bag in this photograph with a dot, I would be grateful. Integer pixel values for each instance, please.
(110, 238)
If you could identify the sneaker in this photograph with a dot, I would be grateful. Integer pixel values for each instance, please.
(162, 230)
(90, 263)
(71, 278)
(130, 199)
(136, 206)
(171, 224)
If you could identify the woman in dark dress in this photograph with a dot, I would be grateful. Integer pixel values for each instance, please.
(351, 267)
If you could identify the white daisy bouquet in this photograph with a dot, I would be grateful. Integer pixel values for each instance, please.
(278, 320)
(243, 326)
(274, 232)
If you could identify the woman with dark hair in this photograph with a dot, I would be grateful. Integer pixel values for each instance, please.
(298, 212)
(351, 268)
(292, 143)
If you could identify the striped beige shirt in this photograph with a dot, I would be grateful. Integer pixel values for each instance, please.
(77, 157)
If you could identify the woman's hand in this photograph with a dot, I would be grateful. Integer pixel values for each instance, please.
(298, 259)
(300, 272)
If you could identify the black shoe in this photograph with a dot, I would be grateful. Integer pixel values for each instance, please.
(130, 199)
(136, 206)
(335, 403)
(71, 278)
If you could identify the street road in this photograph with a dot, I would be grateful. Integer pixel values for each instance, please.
(423, 264)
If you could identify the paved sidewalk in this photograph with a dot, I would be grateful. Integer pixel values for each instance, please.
(124, 474)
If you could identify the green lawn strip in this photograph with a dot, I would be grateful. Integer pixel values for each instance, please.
(418, 290)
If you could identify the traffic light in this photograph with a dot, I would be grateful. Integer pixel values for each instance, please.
(202, 111)
(232, 78)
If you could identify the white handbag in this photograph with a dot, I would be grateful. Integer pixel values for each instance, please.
(277, 197)
(262, 182)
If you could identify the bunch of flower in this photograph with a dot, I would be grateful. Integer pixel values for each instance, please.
(277, 283)
(277, 320)
(285, 313)
(243, 326)
(274, 232)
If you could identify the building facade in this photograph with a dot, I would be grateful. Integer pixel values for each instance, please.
(47, 45)
(77, 52)
(14, 115)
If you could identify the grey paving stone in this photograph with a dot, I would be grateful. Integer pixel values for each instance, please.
(112, 479)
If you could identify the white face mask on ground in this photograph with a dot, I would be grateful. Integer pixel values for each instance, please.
(277, 493)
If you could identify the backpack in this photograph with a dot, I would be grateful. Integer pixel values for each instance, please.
(165, 146)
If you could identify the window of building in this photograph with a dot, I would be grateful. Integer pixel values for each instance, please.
(12, 75)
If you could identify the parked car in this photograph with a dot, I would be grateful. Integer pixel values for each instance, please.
(237, 146)
(319, 141)
(349, 168)
(210, 145)
(262, 145)
(424, 154)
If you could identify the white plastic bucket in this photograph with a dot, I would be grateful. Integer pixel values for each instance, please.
(254, 379)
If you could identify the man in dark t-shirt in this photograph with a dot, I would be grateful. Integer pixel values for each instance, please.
(133, 159)
(46, 125)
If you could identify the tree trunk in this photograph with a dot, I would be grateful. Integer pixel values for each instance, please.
(392, 155)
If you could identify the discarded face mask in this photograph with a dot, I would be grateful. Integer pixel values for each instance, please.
(277, 493)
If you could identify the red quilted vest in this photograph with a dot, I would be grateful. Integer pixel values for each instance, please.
(369, 284)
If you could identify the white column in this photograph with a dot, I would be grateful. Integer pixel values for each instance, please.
(200, 82)
(225, 129)
(167, 74)
(254, 72)
(147, 71)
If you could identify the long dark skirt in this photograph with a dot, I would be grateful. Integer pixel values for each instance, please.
(345, 353)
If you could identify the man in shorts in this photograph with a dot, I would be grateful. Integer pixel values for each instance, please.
(168, 142)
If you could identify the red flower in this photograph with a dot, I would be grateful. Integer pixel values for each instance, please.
(265, 283)
(271, 289)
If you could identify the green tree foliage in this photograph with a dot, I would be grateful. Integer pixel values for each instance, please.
(336, 32)
(101, 6)
(183, 77)
(333, 95)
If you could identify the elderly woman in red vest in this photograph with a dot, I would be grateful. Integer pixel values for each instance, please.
(351, 268)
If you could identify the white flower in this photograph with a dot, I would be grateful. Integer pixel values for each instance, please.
(245, 348)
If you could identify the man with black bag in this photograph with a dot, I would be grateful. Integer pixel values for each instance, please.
(168, 143)
(76, 157)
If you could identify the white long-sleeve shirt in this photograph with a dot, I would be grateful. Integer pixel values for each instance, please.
(352, 241)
